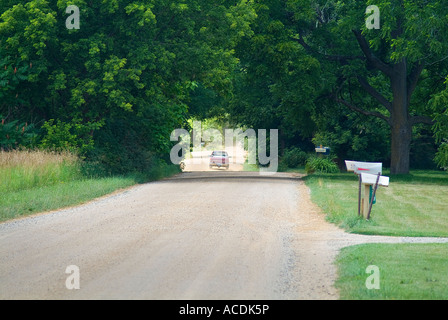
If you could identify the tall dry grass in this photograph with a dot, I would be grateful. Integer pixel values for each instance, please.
(34, 158)
(24, 169)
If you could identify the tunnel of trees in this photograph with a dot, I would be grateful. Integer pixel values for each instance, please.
(114, 88)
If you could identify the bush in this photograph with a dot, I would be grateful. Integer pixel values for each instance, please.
(442, 156)
(321, 165)
(294, 157)
(122, 149)
(14, 135)
(73, 137)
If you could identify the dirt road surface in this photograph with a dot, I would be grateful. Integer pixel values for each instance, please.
(201, 235)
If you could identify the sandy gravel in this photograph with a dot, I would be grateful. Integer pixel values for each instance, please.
(201, 235)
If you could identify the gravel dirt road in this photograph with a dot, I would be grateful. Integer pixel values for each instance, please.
(201, 235)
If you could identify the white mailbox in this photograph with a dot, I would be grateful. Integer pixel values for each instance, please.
(364, 167)
(369, 174)
(371, 179)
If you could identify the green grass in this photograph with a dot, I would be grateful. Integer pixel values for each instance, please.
(250, 167)
(413, 205)
(65, 194)
(406, 272)
(300, 170)
(23, 177)
(21, 170)
(36, 181)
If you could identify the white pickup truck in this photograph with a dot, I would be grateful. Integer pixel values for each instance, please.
(219, 159)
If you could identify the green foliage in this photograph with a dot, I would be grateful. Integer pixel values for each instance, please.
(320, 165)
(136, 70)
(294, 157)
(14, 135)
(122, 147)
(276, 83)
(12, 73)
(72, 137)
(351, 135)
(439, 104)
(442, 155)
(359, 66)
(131, 62)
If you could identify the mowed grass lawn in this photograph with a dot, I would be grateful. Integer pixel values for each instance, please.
(405, 272)
(414, 205)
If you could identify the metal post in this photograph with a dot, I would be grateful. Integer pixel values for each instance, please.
(373, 196)
(359, 195)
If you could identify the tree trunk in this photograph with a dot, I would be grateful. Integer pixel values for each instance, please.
(401, 125)
(401, 147)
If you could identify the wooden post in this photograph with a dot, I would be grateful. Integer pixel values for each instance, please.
(365, 207)
(367, 172)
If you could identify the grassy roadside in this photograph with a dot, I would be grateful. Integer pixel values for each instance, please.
(405, 272)
(414, 205)
(250, 167)
(47, 198)
(34, 182)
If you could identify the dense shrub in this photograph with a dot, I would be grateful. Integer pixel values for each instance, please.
(122, 148)
(442, 156)
(14, 135)
(321, 165)
(294, 157)
(73, 137)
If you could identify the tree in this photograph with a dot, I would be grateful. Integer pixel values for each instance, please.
(439, 103)
(124, 78)
(276, 81)
(386, 64)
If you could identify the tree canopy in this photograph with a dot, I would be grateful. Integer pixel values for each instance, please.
(320, 60)
(114, 89)
(119, 84)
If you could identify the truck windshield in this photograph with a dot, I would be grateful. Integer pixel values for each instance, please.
(219, 154)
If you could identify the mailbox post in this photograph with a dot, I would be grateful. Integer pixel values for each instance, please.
(369, 174)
